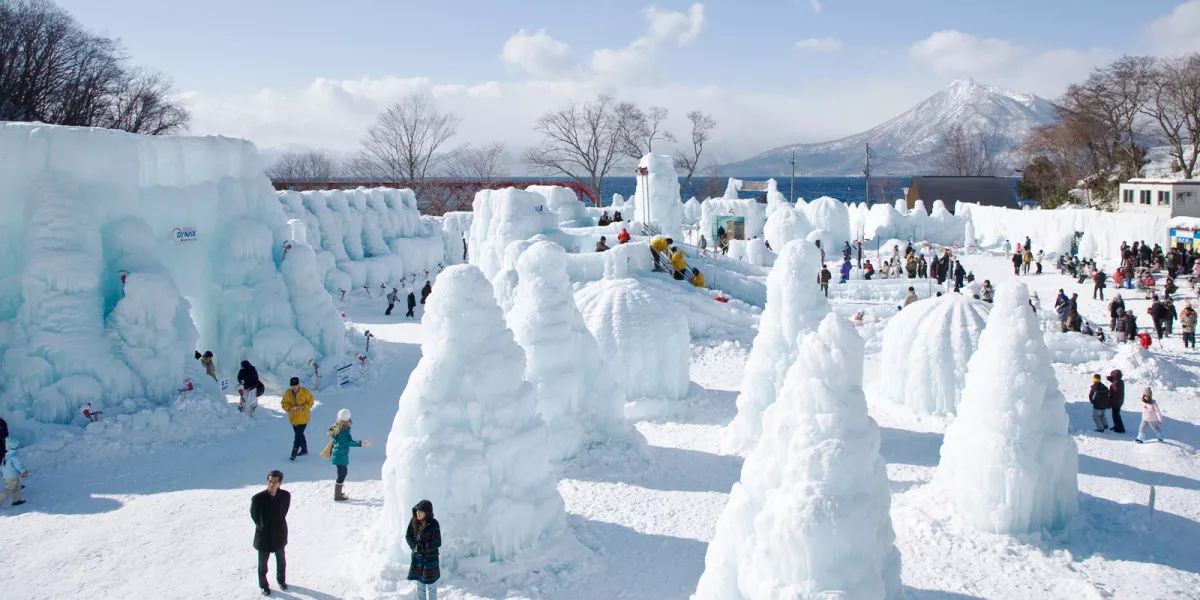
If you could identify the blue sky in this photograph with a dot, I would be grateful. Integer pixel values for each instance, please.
(773, 72)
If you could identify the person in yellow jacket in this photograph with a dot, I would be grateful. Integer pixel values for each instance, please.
(658, 247)
(678, 263)
(297, 403)
(698, 278)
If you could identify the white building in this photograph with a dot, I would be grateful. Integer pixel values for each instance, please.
(1166, 197)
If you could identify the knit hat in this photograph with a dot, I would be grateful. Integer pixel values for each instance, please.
(344, 414)
(294, 381)
(1095, 377)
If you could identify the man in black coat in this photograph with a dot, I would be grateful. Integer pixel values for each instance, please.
(268, 510)
(1116, 397)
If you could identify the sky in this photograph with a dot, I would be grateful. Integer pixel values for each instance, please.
(316, 73)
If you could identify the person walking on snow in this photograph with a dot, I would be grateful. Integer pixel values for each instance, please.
(1187, 320)
(823, 279)
(1114, 308)
(1098, 396)
(297, 403)
(1026, 261)
(251, 387)
(392, 296)
(1169, 316)
(1116, 399)
(1151, 417)
(1157, 314)
(268, 510)
(845, 271)
(412, 303)
(1098, 278)
(426, 291)
(424, 537)
(1007, 248)
(13, 471)
(1016, 262)
(340, 453)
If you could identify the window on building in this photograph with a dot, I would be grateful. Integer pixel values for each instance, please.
(1144, 196)
(1164, 198)
(1127, 196)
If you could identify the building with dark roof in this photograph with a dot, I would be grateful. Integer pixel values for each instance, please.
(987, 191)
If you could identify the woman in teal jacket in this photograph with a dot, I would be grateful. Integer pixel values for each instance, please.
(340, 456)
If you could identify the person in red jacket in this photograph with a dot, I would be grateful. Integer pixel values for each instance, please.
(623, 237)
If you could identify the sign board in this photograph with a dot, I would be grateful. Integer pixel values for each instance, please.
(734, 226)
(225, 384)
(343, 374)
(185, 234)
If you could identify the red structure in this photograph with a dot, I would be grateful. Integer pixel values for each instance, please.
(454, 188)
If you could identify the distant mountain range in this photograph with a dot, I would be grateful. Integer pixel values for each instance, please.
(905, 145)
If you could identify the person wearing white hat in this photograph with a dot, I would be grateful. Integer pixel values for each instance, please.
(339, 450)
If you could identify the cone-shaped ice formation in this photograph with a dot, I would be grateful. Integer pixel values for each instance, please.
(467, 436)
(1008, 464)
(925, 352)
(794, 305)
(563, 361)
(809, 518)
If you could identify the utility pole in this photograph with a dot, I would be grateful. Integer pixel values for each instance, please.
(867, 177)
(792, 197)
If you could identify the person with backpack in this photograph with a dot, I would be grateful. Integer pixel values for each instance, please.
(339, 450)
(1098, 396)
(1151, 417)
(1116, 399)
(297, 402)
(13, 471)
(424, 537)
(392, 296)
(268, 511)
(250, 388)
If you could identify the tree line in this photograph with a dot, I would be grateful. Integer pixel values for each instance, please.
(1106, 126)
(54, 71)
(409, 142)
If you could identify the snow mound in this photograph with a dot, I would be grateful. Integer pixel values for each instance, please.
(785, 224)
(794, 305)
(810, 516)
(645, 340)
(832, 217)
(563, 360)
(564, 203)
(1007, 463)
(1074, 348)
(1146, 369)
(469, 439)
(925, 352)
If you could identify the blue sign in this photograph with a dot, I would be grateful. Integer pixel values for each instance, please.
(343, 374)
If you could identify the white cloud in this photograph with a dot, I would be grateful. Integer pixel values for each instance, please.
(669, 25)
(819, 45)
(955, 52)
(1178, 32)
(538, 54)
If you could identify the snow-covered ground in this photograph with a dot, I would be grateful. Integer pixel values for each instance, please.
(132, 516)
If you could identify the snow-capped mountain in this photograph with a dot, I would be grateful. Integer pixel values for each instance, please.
(904, 145)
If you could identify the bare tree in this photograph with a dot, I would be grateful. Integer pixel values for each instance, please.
(714, 184)
(402, 146)
(642, 128)
(967, 152)
(1174, 105)
(487, 163)
(582, 142)
(702, 126)
(52, 70)
(303, 167)
(1106, 107)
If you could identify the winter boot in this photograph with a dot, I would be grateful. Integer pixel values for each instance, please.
(337, 493)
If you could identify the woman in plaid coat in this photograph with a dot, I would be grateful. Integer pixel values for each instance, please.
(424, 537)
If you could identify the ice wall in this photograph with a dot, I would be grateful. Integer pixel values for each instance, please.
(1008, 463)
(564, 203)
(1048, 228)
(467, 437)
(795, 305)
(925, 352)
(656, 198)
(504, 216)
(810, 516)
(456, 228)
(369, 237)
(197, 232)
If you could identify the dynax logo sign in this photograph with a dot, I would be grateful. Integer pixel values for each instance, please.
(185, 234)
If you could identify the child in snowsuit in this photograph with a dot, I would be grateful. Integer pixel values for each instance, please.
(1151, 417)
(1098, 396)
(13, 472)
